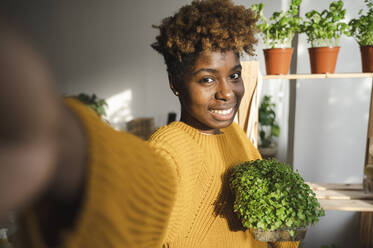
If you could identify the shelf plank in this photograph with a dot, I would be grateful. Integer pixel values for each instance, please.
(347, 205)
(344, 197)
(335, 186)
(312, 76)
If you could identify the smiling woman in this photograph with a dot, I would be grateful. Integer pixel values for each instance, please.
(201, 45)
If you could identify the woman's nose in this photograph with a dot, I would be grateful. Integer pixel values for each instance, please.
(224, 91)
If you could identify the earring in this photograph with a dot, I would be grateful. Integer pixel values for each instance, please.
(176, 93)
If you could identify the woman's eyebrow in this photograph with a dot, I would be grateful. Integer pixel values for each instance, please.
(237, 67)
(206, 70)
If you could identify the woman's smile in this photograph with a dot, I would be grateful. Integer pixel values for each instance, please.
(222, 114)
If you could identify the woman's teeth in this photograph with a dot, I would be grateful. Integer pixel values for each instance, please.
(222, 112)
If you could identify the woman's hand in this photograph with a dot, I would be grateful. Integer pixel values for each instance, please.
(42, 146)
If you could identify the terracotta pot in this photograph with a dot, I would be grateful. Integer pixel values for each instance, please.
(268, 152)
(277, 60)
(367, 58)
(279, 235)
(323, 59)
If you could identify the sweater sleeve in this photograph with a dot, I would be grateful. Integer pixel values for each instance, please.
(128, 195)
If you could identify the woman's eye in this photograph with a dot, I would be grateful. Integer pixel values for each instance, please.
(206, 80)
(236, 75)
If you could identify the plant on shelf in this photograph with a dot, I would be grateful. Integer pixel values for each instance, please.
(273, 200)
(362, 31)
(277, 35)
(324, 31)
(283, 25)
(268, 128)
(97, 104)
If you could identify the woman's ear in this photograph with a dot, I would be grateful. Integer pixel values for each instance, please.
(173, 84)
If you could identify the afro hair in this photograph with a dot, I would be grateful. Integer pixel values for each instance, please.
(216, 25)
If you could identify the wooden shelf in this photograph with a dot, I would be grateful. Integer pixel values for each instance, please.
(311, 76)
(344, 197)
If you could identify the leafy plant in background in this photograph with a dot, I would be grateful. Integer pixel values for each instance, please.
(279, 32)
(95, 103)
(362, 27)
(326, 28)
(268, 127)
(269, 195)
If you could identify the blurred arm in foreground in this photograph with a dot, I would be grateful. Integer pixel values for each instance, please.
(82, 183)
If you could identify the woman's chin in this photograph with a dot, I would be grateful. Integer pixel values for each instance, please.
(218, 124)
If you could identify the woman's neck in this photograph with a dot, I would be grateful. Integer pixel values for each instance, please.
(190, 121)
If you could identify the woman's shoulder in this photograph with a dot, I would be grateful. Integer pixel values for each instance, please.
(237, 134)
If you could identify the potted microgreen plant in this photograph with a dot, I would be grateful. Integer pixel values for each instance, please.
(97, 104)
(273, 200)
(362, 31)
(268, 128)
(277, 36)
(324, 31)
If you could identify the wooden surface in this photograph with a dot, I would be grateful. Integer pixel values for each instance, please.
(250, 80)
(343, 197)
(327, 75)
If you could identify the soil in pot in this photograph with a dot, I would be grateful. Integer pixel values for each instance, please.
(367, 58)
(323, 59)
(279, 235)
(277, 60)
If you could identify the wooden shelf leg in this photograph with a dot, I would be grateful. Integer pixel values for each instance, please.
(366, 218)
(366, 230)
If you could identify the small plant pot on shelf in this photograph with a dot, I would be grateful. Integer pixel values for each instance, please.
(280, 235)
(323, 59)
(277, 60)
(367, 58)
(268, 152)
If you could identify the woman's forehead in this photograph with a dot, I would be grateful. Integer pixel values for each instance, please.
(216, 59)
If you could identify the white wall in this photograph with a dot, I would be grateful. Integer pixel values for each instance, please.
(103, 47)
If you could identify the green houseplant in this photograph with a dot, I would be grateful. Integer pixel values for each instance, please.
(273, 200)
(324, 31)
(97, 104)
(268, 128)
(277, 35)
(362, 31)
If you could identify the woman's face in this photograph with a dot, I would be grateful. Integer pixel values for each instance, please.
(211, 92)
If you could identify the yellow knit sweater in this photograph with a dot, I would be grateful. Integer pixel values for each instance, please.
(202, 215)
(128, 196)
